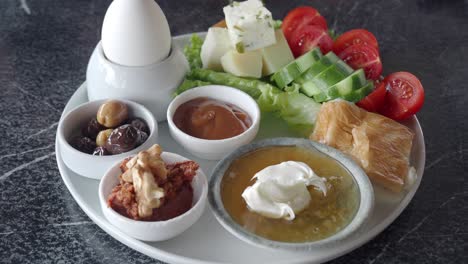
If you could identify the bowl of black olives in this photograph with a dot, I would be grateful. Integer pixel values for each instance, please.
(95, 135)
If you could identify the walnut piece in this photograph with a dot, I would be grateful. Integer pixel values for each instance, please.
(145, 170)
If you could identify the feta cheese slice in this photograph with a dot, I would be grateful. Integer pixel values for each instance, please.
(250, 25)
(216, 44)
(277, 55)
(247, 64)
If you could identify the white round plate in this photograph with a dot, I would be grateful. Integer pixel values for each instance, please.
(207, 241)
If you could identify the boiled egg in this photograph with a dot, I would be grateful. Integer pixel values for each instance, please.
(135, 33)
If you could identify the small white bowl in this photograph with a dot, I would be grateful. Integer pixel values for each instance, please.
(88, 165)
(152, 85)
(157, 230)
(215, 149)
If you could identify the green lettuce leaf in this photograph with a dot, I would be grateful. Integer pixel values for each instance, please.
(299, 111)
(192, 52)
(188, 84)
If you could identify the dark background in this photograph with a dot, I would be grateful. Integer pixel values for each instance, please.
(44, 50)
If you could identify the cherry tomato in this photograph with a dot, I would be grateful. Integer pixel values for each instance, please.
(405, 96)
(309, 37)
(301, 16)
(365, 57)
(354, 37)
(375, 100)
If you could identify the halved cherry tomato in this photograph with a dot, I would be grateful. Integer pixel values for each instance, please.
(301, 16)
(354, 37)
(405, 96)
(365, 57)
(374, 101)
(308, 37)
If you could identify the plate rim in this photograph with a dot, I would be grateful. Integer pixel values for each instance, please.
(162, 255)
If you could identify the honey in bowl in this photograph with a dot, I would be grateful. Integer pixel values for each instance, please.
(324, 216)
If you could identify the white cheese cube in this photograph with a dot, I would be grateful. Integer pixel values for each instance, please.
(247, 64)
(250, 25)
(277, 55)
(216, 44)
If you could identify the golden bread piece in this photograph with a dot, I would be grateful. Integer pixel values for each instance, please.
(380, 145)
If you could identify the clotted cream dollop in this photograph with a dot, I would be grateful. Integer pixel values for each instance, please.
(280, 190)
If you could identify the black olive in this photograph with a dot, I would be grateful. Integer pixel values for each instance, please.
(83, 144)
(140, 124)
(123, 139)
(100, 151)
(92, 129)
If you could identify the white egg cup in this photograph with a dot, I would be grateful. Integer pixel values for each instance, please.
(152, 85)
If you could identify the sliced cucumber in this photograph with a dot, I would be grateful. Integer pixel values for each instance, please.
(321, 97)
(310, 89)
(329, 77)
(295, 68)
(353, 82)
(344, 67)
(353, 96)
(357, 95)
(319, 66)
(321, 83)
(346, 89)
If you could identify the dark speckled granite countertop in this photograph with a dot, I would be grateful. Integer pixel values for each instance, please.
(44, 50)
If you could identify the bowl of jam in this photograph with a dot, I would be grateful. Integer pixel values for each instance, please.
(96, 134)
(212, 121)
